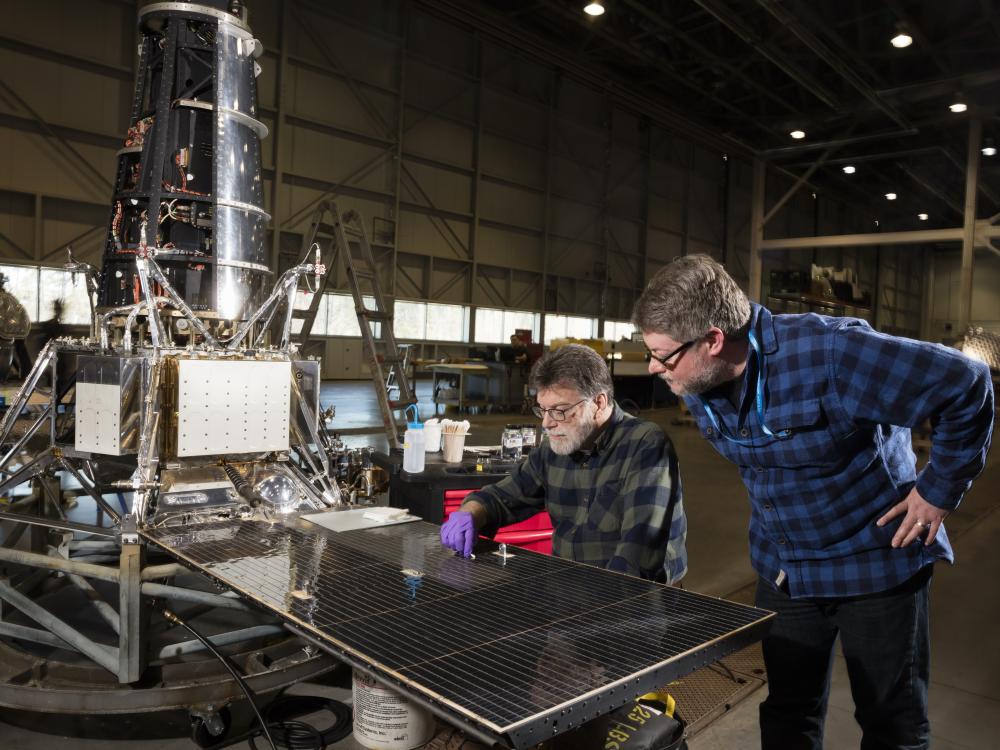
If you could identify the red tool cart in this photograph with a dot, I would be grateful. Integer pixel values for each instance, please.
(440, 489)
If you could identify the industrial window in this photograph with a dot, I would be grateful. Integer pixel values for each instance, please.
(335, 316)
(38, 288)
(495, 326)
(342, 319)
(569, 326)
(430, 321)
(616, 330)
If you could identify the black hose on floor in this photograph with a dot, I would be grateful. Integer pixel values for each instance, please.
(228, 664)
(286, 730)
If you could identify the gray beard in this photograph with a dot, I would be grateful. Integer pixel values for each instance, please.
(576, 436)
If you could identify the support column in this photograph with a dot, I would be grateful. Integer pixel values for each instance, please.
(132, 638)
(609, 150)
(477, 170)
(969, 225)
(38, 234)
(927, 318)
(756, 229)
(404, 36)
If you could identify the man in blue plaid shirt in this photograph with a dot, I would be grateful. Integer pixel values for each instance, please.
(608, 480)
(816, 411)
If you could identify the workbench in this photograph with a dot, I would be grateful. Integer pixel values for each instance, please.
(462, 385)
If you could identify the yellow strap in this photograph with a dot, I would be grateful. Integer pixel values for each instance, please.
(660, 697)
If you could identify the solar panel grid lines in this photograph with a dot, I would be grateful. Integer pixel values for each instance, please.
(493, 613)
(577, 673)
(521, 647)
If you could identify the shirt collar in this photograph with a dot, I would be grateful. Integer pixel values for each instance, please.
(604, 439)
(762, 322)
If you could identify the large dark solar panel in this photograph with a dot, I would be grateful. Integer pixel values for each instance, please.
(516, 649)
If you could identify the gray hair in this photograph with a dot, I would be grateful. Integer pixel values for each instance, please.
(573, 366)
(690, 295)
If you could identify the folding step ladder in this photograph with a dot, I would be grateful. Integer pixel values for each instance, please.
(385, 358)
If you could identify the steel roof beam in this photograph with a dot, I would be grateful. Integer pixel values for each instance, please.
(827, 55)
(917, 237)
(937, 87)
(687, 39)
(880, 156)
(725, 16)
(953, 204)
(837, 143)
(663, 66)
(534, 46)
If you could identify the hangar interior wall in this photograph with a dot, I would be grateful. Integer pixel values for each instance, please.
(503, 182)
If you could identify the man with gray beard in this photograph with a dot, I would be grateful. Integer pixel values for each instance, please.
(608, 480)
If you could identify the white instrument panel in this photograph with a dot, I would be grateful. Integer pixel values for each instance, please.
(232, 406)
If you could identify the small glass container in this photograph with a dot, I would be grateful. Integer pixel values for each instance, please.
(511, 442)
(529, 437)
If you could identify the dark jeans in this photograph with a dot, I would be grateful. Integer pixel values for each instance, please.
(886, 645)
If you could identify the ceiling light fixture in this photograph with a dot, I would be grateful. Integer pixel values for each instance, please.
(849, 169)
(890, 196)
(959, 104)
(902, 38)
(594, 8)
(798, 134)
(988, 148)
(922, 217)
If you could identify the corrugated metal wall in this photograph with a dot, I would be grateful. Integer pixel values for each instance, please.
(510, 183)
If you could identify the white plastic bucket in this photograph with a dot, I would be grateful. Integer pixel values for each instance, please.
(385, 720)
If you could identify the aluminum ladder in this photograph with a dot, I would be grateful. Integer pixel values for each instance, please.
(382, 353)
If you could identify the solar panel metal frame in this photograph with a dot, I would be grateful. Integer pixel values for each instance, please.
(368, 597)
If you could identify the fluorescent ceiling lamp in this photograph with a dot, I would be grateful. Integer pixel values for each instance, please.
(594, 8)
(798, 134)
(989, 149)
(890, 196)
(922, 217)
(958, 107)
(849, 169)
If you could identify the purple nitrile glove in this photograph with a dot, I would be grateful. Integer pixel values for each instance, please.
(459, 532)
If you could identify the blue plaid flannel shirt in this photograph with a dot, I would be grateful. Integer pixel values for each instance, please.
(849, 395)
(617, 506)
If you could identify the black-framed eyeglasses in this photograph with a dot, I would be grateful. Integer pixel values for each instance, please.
(558, 415)
(665, 361)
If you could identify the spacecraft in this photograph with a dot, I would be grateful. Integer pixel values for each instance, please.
(189, 377)
(187, 402)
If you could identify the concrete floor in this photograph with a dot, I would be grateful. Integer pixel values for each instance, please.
(965, 692)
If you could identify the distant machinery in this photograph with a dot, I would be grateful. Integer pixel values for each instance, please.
(983, 345)
(14, 327)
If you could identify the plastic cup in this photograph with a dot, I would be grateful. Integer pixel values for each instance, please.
(453, 446)
(432, 437)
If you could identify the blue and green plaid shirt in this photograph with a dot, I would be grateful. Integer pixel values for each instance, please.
(617, 506)
(849, 395)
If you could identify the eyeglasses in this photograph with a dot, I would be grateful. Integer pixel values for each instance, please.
(665, 361)
(558, 415)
